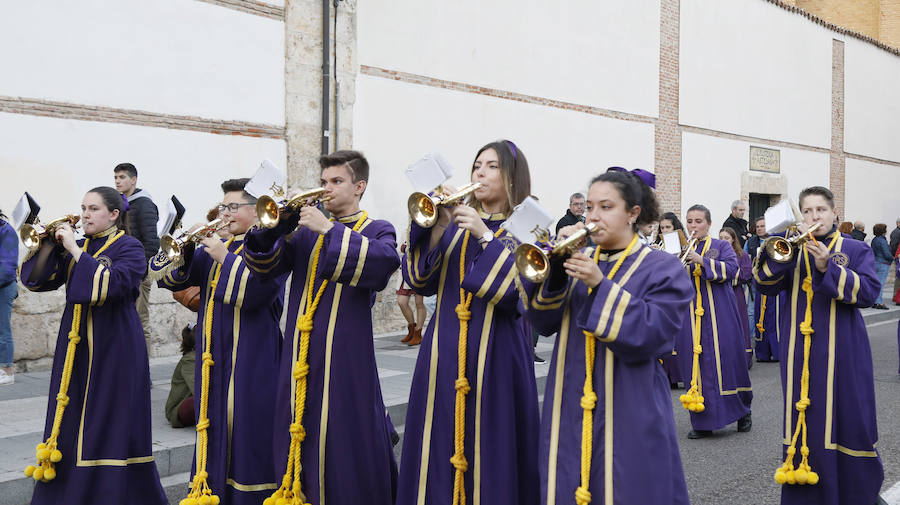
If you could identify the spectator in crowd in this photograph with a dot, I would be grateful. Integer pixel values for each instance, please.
(894, 243)
(180, 404)
(859, 231)
(575, 214)
(142, 217)
(846, 228)
(9, 290)
(883, 259)
(756, 240)
(414, 323)
(737, 222)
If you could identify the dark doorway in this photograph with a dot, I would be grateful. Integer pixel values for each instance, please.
(759, 202)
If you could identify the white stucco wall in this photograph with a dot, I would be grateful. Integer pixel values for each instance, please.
(596, 53)
(871, 101)
(397, 123)
(713, 167)
(867, 199)
(169, 56)
(752, 68)
(58, 160)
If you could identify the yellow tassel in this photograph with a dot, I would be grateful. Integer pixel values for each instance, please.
(46, 452)
(589, 397)
(290, 491)
(693, 399)
(803, 474)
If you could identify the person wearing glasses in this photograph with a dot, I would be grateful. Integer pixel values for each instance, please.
(575, 213)
(238, 340)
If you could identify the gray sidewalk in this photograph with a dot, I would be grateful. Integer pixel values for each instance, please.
(23, 407)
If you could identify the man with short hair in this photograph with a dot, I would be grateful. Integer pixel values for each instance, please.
(238, 341)
(895, 239)
(339, 435)
(859, 231)
(756, 240)
(575, 213)
(142, 216)
(829, 429)
(737, 222)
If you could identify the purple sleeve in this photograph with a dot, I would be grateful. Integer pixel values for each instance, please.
(241, 287)
(745, 271)
(420, 265)
(492, 275)
(268, 256)
(365, 259)
(192, 273)
(94, 283)
(54, 274)
(724, 267)
(854, 283)
(546, 305)
(638, 328)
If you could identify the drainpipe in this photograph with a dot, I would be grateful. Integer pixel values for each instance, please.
(326, 73)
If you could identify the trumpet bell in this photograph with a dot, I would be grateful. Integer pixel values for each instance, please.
(30, 236)
(422, 209)
(170, 247)
(268, 211)
(532, 262)
(778, 249)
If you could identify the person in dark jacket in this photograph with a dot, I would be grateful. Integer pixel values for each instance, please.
(859, 231)
(883, 259)
(895, 239)
(575, 214)
(737, 222)
(756, 240)
(142, 216)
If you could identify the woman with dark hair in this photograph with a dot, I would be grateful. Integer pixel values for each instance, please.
(617, 308)
(744, 275)
(883, 259)
(472, 421)
(97, 445)
(9, 290)
(711, 344)
(669, 222)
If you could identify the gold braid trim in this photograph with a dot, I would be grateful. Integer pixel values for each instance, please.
(589, 400)
(46, 452)
(693, 399)
(290, 492)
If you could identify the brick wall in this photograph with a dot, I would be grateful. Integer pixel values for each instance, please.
(838, 158)
(667, 137)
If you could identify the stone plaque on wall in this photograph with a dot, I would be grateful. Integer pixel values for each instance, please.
(765, 160)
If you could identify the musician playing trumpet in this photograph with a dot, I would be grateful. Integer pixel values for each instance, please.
(330, 418)
(829, 433)
(473, 416)
(238, 340)
(607, 410)
(711, 345)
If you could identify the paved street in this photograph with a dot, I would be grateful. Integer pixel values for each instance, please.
(729, 468)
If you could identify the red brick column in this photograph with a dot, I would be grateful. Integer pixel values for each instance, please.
(838, 158)
(667, 137)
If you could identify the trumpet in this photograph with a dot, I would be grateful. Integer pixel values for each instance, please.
(173, 247)
(533, 261)
(33, 234)
(423, 207)
(270, 211)
(691, 244)
(781, 249)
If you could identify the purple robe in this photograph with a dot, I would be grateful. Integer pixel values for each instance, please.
(347, 456)
(723, 364)
(634, 318)
(502, 420)
(768, 339)
(105, 434)
(841, 414)
(745, 273)
(245, 343)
